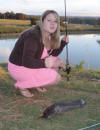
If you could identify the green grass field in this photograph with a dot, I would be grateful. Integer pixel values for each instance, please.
(14, 22)
(13, 26)
(17, 26)
(20, 113)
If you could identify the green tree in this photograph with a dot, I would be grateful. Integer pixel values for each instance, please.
(33, 20)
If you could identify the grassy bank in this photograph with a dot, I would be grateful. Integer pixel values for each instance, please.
(20, 113)
(13, 26)
(17, 26)
(81, 28)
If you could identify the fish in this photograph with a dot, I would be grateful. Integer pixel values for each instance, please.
(61, 107)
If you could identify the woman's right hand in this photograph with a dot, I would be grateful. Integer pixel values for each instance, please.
(49, 62)
(58, 63)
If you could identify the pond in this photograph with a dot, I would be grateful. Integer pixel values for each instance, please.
(81, 47)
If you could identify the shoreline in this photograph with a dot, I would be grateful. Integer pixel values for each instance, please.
(62, 32)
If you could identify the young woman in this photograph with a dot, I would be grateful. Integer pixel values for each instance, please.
(33, 62)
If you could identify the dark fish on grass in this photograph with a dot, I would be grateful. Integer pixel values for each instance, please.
(61, 107)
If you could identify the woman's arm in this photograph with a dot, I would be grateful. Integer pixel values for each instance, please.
(64, 41)
(32, 48)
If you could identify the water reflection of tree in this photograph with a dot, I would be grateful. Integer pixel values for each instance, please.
(98, 41)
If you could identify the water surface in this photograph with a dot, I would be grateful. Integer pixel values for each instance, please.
(83, 47)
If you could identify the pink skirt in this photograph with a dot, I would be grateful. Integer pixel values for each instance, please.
(31, 78)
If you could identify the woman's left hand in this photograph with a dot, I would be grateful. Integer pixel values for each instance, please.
(65, 38)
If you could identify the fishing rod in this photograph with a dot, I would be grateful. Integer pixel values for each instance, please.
(68, 68)
(87, 127)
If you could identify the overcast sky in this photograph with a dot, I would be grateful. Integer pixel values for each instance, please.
(37, 7)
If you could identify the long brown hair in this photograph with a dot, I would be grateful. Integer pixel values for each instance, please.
(55, 37)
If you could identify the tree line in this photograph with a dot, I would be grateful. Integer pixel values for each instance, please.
(82, 20)
(34, 19)
(86, 20)
(12, 15)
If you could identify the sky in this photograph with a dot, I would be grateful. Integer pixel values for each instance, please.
(37, 7)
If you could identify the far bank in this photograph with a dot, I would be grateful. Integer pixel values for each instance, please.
(8, 26)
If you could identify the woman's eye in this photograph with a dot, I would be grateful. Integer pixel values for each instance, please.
(51, 21)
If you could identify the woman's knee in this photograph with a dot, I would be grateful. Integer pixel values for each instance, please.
(57, 80)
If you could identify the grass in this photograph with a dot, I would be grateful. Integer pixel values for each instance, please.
(17, 26)
(14, 22)
(12, 29)
(81, 28)
(20, 113)
(13, 26)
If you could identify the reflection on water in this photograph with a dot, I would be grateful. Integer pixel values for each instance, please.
(98, 41)
(83, 47)
(6, 45)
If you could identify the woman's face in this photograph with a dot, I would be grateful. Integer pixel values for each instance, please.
(50, 23)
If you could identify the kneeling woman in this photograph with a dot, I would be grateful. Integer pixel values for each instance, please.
(33, 62)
